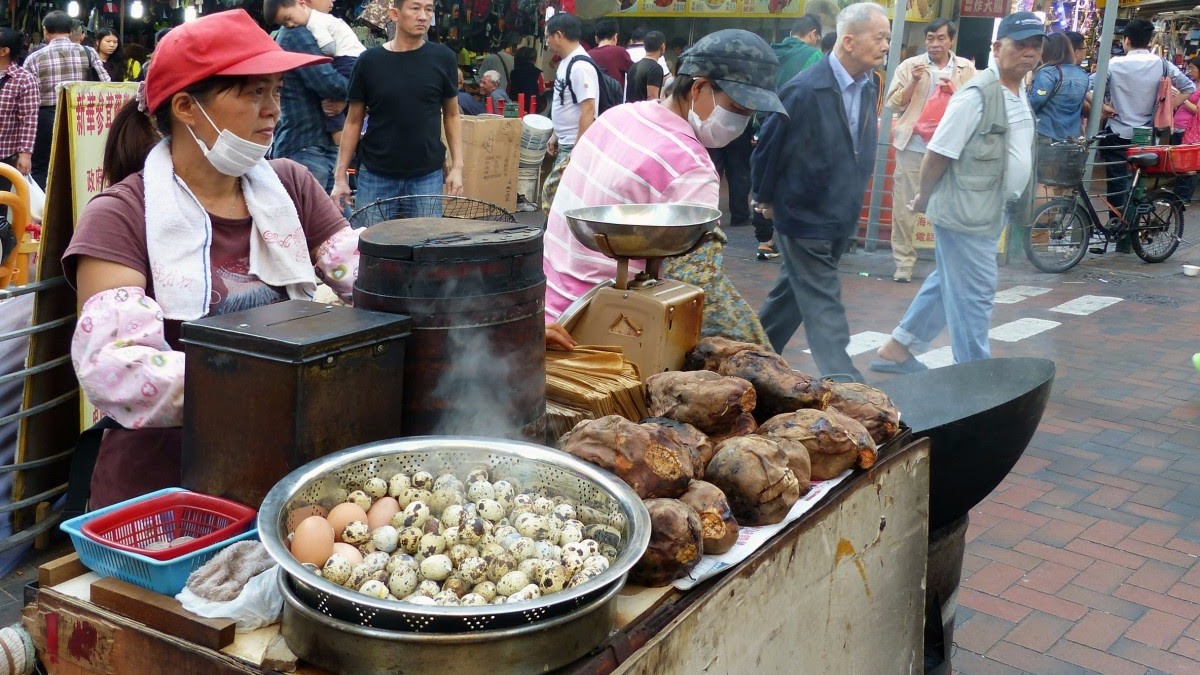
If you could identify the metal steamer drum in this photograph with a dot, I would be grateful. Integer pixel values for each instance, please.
(475, 362)
(320, 485)
(654, 321)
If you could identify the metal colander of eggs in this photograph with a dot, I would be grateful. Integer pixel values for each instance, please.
(456, 541)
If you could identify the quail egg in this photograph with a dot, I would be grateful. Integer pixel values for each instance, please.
(398, 484)
(385, 538)
(375, 487)
(375, 589)
(356, 532)
(436, 567)
(422, 480)
(403, 582)
(337, 569)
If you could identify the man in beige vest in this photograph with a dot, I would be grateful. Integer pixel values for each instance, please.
(977, 174)
(915, 82)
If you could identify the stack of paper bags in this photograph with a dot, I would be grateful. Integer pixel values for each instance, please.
(589, 383)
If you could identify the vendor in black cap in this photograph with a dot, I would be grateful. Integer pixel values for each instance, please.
(656, 152)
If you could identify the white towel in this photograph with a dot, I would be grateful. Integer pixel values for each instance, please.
(179, 238)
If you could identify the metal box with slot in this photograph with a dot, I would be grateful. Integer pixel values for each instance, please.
(270, 389)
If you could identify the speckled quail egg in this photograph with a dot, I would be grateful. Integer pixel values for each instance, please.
(447, 481)
(530, 592)
(552, 579)
(490, 550)
(450, 534)
(397, 484)
(457, 585)
(473, 530)
(591, 546)
(477, 474)
(543, 506)
(512, 582)
(440, 499)
(508, 538)
(460, 552)
(490, 509)
(360, 499)
(376, 561)
(579, 579)
(522, 548)
(410, 539)
(432, 526)
(428, 587)
(500, 600)
(597, 562)
(422, 480)
(500, 565)
(487, 589)
(604, 534)
(609, 552)
(521, 499)
(472, 600)
(431, 544)
(481, 490)
(530, 566)
(415, 514)
(570, 535)
(536, 527)
(312, 569)
(414, 495)
(564, 512)
(357, 532)
(504, 491)
(446, 599)
(358, 576)
(474, 570)
(375, 589)
(452, 515)
(375, 487)
(366, 548)
(403, 582)
(386, 538)
(420, 599)
(337, 569)
(436, 567)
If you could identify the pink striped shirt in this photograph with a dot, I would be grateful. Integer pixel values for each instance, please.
(637, 153)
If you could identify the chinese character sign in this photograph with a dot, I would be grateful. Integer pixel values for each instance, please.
(91, 108)
(995, 9)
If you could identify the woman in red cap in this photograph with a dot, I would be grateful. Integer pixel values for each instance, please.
(196, 222)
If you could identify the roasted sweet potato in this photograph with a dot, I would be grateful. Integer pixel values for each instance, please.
(780, 389)
(676, 543)
(870, 406)
(710, 352)
(834, 441)
(744, 425)
(753, 473)
(716, 517)
(649, 457)
(708, 401)
(700, 449)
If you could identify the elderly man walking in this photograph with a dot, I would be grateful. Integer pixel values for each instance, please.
(809, 173)
(917, 80)
(978, 168)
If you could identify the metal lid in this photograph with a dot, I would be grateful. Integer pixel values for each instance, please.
(437, 239)
(295, 330)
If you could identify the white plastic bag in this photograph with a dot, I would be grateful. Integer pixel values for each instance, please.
(259, 604)
(37, 200)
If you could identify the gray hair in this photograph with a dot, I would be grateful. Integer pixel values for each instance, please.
(855, 18)
(492, 75)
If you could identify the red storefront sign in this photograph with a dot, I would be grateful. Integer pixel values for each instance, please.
(994, 9)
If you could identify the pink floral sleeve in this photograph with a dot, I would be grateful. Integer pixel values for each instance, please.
(337, 262)
(123, 361)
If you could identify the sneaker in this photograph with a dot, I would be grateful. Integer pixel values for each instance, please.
(903, 275)
(767, 251)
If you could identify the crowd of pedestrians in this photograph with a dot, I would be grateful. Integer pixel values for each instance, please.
(792, 127)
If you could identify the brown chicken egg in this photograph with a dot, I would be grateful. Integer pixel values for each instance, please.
(381, 512)
(345, 513)
(313, 541)
(350, 553)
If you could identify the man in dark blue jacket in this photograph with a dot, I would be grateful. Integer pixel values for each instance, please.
(809, 173)
(306, 98)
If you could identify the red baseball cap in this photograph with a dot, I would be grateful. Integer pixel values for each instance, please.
(225, 43)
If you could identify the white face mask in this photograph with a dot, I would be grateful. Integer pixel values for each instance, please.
(721, 128)
(231, 154)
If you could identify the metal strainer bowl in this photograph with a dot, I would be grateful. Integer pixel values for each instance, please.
(322, 484)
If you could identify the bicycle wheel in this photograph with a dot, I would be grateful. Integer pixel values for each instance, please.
(1158, 229)
(1057, 239)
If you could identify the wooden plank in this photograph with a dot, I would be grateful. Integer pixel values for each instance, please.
(162, 613)
(57, 571)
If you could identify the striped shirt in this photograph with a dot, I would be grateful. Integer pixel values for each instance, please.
(63, 61)
(18, 111)
(637, 153)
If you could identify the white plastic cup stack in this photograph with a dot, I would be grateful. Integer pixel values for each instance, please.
(535, 135)
(17, 656)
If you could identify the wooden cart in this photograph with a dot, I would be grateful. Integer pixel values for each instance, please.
(840, 590)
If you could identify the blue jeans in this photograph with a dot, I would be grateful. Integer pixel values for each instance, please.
(319, 160)
(959, 295)
(374, 187)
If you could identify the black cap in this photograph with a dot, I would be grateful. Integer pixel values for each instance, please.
(1021, 25)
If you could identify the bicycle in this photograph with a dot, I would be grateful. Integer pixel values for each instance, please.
(1062, 230)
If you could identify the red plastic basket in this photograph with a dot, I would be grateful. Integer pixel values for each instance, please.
(1171, 158)
(168, 517)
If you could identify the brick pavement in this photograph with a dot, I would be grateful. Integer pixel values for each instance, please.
(1084, 560)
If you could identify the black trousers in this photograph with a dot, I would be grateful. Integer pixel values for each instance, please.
(733, 161)
(809, 292)
(41, 144)
(1112, 152)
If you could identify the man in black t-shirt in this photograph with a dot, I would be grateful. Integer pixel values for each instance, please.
(646, 78)
(407, 86)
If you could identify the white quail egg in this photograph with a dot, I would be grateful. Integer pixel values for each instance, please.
(386, 538)
(480, 490)
(512, 582)
(508, 538)
(376, 561)
(474, 570)
(472, 600)
(422, 480)
(397, 485)
(403, 582)
(375, 487)
(420, 599)
(436, 567)
(431, 544)
(490, 509)
(337, 569)
(452, 515)
(545, 550)
(487, 589)
(447, 481)
(428, 587)
(357, 532)
(375, 589)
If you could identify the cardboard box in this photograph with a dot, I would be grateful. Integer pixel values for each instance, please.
(491, 153)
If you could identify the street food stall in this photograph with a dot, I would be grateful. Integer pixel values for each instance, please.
(755, 515)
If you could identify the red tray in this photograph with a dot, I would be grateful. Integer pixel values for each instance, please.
(170, 516)
(1171, 158)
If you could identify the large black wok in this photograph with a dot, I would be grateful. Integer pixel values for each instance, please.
(979, 417)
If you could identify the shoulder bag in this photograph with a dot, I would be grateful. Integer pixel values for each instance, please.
(1164, 113)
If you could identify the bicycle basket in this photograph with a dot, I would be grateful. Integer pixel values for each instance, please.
(1061, 164)
(429, 206)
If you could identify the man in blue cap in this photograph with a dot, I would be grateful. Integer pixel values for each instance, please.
(977, 175)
